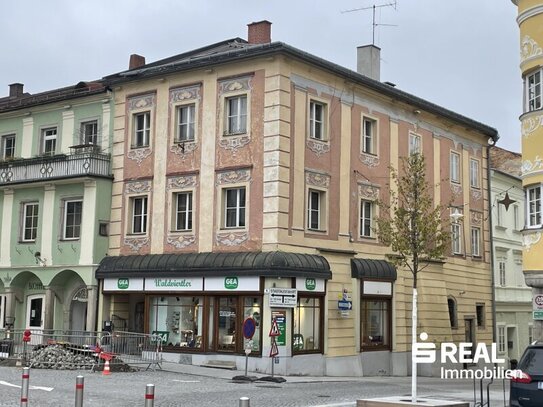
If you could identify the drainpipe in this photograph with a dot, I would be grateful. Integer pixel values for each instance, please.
(489, 191)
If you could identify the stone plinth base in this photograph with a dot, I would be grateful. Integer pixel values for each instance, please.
(405, 401)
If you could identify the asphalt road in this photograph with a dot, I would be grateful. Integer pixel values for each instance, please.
(57, 388)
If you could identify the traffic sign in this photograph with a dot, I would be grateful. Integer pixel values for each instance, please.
(344, 305)
(283, 297)
(538, 315)
(248, 328)
(274, 351)
(274, 331)
(537, 302)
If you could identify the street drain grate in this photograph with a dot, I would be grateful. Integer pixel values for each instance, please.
(322, 395)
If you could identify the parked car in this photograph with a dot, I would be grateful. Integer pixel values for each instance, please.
(527, 385)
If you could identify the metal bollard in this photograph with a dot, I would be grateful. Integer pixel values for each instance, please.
(79, 386)
(244, 402)
(24, 387)
(150, 395)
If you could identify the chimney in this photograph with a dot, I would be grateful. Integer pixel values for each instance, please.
(16, 90)
(136, 61)
(259, 32)
(368, 61)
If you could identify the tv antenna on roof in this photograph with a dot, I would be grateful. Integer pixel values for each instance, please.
(374, 7)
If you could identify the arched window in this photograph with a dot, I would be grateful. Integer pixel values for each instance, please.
(451, 303)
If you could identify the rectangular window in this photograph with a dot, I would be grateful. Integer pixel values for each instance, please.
(236, 115)
(414, 144)
(456, 238)
(307, 332)
(139, 215)
(455, 167)
(89, 132)
(49, 141)
(375, 314)
(366, 218)
(369, 136)
(8, 146)
(501, 339)
(142, 129)
(501, 266)
(316, 120)
(474, 173)
(234, 207)
(72, 219)
(533, 198)
(533, 89)
(315, 210)
(480, 313)
(475, 242)
(30, 222)
(185, 123)
(183, 211)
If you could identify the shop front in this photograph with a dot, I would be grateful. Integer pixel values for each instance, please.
(197, 303)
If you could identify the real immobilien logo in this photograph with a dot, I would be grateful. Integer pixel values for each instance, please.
(464, 352)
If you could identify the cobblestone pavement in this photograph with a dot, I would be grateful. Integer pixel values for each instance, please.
(214, 389)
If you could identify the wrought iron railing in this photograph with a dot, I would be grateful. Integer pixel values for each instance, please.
(52, 167)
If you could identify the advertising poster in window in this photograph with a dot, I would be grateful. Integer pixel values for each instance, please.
(281, 319)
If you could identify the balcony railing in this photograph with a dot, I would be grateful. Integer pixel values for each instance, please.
(43, 168)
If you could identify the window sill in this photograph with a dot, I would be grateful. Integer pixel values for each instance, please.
(236, 133)
(316, 231)
(144, 234)
(318, 140)
(373, 155)
(185, 142)
(370, 348)
(366, 238)
(26, 241)
(138, 147)
(500, 227)
(457, 183)
(181, 232)
(70, 239)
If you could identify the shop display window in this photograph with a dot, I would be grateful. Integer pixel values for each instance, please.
(375, 323)
(252, 308)
(307, 325)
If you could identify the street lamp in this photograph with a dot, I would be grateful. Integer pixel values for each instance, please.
(456, 215)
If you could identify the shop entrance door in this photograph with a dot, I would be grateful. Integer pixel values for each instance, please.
(227, 324)
(34, 317)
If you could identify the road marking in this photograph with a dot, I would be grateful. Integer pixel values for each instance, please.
(186, 381)
(30, 387)
(348, 403)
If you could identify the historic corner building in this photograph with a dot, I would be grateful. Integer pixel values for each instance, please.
(245, 180)
(530, 19)
(55, 193)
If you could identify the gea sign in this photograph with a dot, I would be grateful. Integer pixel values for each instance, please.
(310, 284)
(122, 283)
(230, 283)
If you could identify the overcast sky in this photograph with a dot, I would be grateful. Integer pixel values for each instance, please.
(460, 54)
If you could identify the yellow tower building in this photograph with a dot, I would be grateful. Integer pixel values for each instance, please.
(530, 21)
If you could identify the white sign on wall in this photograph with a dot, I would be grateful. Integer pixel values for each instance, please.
(232, 283)
(174, 284)
(123, 284)
(283, 297)
(378, 287)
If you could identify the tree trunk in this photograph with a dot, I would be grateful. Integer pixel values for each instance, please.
(413, 342)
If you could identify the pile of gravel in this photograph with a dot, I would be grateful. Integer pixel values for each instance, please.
(61, 357)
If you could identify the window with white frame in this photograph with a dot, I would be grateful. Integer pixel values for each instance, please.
(533, 91)
(49, 140)
(234, 207)
(369, 136)
(236, 115)
(475, 242)
(415, 144)
(474, 173)
(73, 210)
(8, 146)
(317, 112)
(315, 209)
(533, 203)
(501, 339)
(516, 218)
(142, 129)
(89, 132)
(456, 238)
(366, 218)
(183, 211)
(139, 213)
(455, 167)
(30, 222)
(501, 267)
(185, 123)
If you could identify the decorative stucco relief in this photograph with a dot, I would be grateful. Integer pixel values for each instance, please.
(139, 154)
(318, 147)
(234, 85)
(137, 187)
(184, 181)
(476, 218)
(136, 243)
(183, 94)
(529, 166)
(476, 194)
(456, 189)
(6, 174)
(369, 160)
(180, 242)
(529, 48)
(317, 179)
(184, 149)
(231, 238)
(529, 240)
(530, 124)
(233, 177)
(368, 192)
(234, 143)
(141, 102)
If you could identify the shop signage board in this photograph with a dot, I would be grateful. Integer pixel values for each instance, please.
(378, 287)
(283, 297)
(162, 336)
(281, 321)
(174, 284)
(232, 283)
(538, 315)
(123, 284)
(310, 284)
